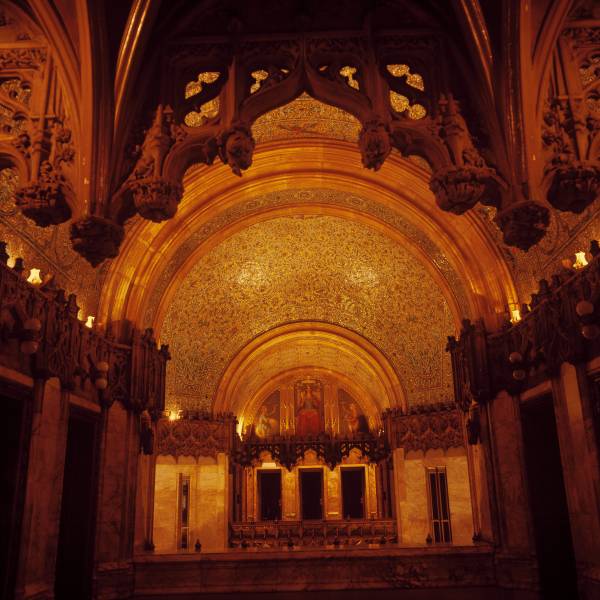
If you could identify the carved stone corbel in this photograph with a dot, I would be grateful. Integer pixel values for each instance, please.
(523, 224)
(374, 143)
(574, 183)
(236, 146)
(467, 180)
(45, 200)
(155, 197)
(96, 238)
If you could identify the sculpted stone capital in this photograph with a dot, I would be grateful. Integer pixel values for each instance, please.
(96, 238)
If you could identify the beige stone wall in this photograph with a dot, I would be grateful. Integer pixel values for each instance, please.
(209, 491)
(412, 504)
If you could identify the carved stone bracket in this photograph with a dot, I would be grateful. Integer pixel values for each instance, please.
(574, 186)
(523, 224)
(156, 199)
(45, 200)
(236, 146)
(96, 238)
(375, 145)
(457, 189)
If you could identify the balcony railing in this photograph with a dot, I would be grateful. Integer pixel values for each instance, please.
(339, 533)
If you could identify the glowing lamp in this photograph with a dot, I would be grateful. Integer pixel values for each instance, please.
(34, 277)
(173, 415)
(515, 315)
(580, 260)
(90, 321)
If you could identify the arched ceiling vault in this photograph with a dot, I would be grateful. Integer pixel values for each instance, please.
(298, 268)
(308, 348)
(157, 256)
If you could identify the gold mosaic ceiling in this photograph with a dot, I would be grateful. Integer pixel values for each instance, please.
(317, 268)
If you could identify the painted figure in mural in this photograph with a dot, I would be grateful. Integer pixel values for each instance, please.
(266, 423)
(355, 421)
(308, 418)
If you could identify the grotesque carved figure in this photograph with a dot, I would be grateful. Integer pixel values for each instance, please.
(154, 197)
(467, 180)
(96, 238)
(374, 143)
(236, 148)
(523, 224)
(45, 201)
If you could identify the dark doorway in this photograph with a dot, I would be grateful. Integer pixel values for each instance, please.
(78, 510)
(554, 546)
(353, 493)
(269, 491)
(311, 492)
(15, 427)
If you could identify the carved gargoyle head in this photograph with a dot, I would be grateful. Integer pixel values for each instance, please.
(236, 148)
(375, 145)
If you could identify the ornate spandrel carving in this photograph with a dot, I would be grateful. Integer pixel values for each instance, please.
(22, 58)
(96, 238)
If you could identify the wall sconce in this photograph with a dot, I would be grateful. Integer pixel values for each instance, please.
(580, 260)
(516, 359)
(90, 321)
(174, 415)
(34, 277)
(101, 380)
(585, 312)
(30, 337)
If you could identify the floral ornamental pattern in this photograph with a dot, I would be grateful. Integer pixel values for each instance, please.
(440, 427)
(310, 269)
(195, 437)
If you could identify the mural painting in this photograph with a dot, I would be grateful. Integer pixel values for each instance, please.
(308, 395)
(352, 418)
(267, 419)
